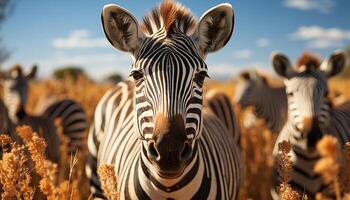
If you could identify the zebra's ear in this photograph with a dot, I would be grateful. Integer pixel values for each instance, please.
(335, 64)
(121, 28)
(281, 65)
(32, 73)
(214, 29)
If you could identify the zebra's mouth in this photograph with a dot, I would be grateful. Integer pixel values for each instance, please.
(170, 174)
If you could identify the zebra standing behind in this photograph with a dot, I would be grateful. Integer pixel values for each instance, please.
(310, 116)
(73, 118)
(163, 143)
(269, 103)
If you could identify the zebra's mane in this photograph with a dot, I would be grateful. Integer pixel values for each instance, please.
(170, 16)
(308, 62)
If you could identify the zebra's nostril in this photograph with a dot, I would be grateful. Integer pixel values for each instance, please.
(152, 151)
(186, 152)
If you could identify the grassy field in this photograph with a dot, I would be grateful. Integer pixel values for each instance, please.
(257, 142)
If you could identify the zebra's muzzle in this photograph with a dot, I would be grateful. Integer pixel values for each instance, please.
(170, 162)
(169, 149)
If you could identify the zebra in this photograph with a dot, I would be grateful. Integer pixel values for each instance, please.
(72, 115)
(310, 116)
(154, 129)
(73, 118)
(269, 102)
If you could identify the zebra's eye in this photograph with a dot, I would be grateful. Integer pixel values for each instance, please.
(200, 77)
(136, 75)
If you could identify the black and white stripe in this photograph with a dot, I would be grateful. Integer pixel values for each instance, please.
(221, 106)
(310, 116)
(134, 121)
(269, 103)
(73, 120)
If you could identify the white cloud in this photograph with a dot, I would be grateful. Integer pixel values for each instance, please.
(242, 54)
(263, 42)
(79, 39)
(225, 71)
(323, 6)
(320, 38)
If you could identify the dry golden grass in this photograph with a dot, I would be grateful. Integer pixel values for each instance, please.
(108, 180)
(285, 166)
(15, 175)
(257, 145)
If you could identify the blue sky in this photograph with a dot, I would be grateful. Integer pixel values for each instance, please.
(57, 33)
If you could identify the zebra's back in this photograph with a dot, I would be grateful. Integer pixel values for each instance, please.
(73, 120)
(340, 122)
(221, 106)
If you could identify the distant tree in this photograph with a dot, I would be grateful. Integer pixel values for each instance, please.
(114, 78)
(6, 7)
(68, 72)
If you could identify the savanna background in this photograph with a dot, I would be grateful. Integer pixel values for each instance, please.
(66, 41)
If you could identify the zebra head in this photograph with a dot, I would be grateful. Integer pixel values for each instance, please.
(168, 51)
(307, 90)
(249, 83)
(15, 87)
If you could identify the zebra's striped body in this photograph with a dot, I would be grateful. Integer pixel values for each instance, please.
(310, 116)
(154, 129)
(211, 174)
(221, 106)
(73, 120)
(269, 103)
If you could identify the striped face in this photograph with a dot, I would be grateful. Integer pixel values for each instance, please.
(15, 86)
(249, 83)
(308, 104)
(169, 73)
(169, 76)
(307, 93)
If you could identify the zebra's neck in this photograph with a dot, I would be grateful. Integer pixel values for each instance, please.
(16, 114)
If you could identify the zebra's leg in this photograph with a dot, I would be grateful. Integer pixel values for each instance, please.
(91, 165)
(221, 106)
